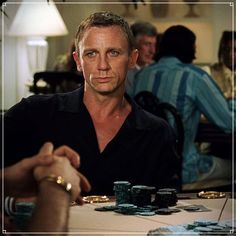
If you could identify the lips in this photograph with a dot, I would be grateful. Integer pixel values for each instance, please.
(103, 79)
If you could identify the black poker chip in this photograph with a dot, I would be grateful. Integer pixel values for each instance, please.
(163, 211)
(106, 208)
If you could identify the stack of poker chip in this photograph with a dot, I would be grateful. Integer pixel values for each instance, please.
(173, 197)
(141, 195)
(198, 227)
(165, 198)
(23, 214)
(127, 209)
(122, 192)
(162, 199)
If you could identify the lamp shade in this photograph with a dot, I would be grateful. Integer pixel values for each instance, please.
(37, 19)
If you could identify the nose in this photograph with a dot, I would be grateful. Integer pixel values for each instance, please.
(103, 62)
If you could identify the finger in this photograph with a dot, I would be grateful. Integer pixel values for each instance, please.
(79, 200)
(47, 148)
(42, 158)
(85, 185)
(32, 162)
(72, 155)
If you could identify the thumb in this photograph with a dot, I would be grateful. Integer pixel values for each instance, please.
(46, 149)
(44, 157)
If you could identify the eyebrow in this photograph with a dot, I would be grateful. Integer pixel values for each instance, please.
(107, 49)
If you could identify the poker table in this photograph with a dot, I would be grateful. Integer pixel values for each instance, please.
(84, 220)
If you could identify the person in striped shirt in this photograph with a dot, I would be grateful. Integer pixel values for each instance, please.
(174, 79)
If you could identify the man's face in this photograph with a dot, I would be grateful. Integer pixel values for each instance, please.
(147, 49)
(229, 54)
(104, 58)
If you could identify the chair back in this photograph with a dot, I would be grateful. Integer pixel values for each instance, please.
(149, 102)
(47, 82)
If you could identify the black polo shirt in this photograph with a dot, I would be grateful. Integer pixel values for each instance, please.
(142, 152)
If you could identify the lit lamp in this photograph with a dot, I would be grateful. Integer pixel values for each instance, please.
(36, 21)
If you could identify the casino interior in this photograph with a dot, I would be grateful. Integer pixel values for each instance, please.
(192, 211)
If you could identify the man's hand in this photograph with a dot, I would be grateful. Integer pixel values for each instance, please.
(19, 179)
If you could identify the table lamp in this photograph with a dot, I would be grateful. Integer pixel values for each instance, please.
(36, 21)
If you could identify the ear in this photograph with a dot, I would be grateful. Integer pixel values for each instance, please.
(133, 58)
(77, 61)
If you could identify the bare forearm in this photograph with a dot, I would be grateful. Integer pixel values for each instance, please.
(52, 209)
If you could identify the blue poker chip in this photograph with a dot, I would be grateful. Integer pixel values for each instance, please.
(215, 227)
(190, 226)
(202, 229)
(127, 206)
(25, 207)
(204, 222)
(150, 213)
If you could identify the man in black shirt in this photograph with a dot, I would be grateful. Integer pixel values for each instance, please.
(116, 139)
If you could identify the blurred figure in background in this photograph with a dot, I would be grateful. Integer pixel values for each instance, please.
(145, 35)
(224, 75)
(222, 71)
(65, 62)
(174, 79)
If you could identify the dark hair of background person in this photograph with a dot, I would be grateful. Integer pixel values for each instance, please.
(178, 41)
(104, 19)
(71, 65)
(226, 37)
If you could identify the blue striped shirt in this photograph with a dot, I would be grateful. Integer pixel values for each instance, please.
(193, 92)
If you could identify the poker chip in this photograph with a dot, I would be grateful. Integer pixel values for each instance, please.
(175, 210)
(25, 207)
(126, 211)
(141, 195)
(215, 227)
(209, 227)
(190, 226)
(202, 229)
(163, 211)
(204, 222)
(191, 208)
(149, 213)
(23, 214)
(163, 199)
(173, 197)
(110, 208)
(126, 205)
(122, 192)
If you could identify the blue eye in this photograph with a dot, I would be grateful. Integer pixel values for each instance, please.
(114, 53)
(91, 54)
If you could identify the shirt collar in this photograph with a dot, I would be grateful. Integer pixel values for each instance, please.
(72, 102)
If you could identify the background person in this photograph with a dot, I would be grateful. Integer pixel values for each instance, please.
(145, 35)
(222, 71)
(174, 79)
(116, 140)
(65, 62)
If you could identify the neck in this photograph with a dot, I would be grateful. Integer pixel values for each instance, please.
(102, 107)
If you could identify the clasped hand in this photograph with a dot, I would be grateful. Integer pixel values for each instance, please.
(22, 179)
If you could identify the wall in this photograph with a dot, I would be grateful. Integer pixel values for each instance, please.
(213, 19)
